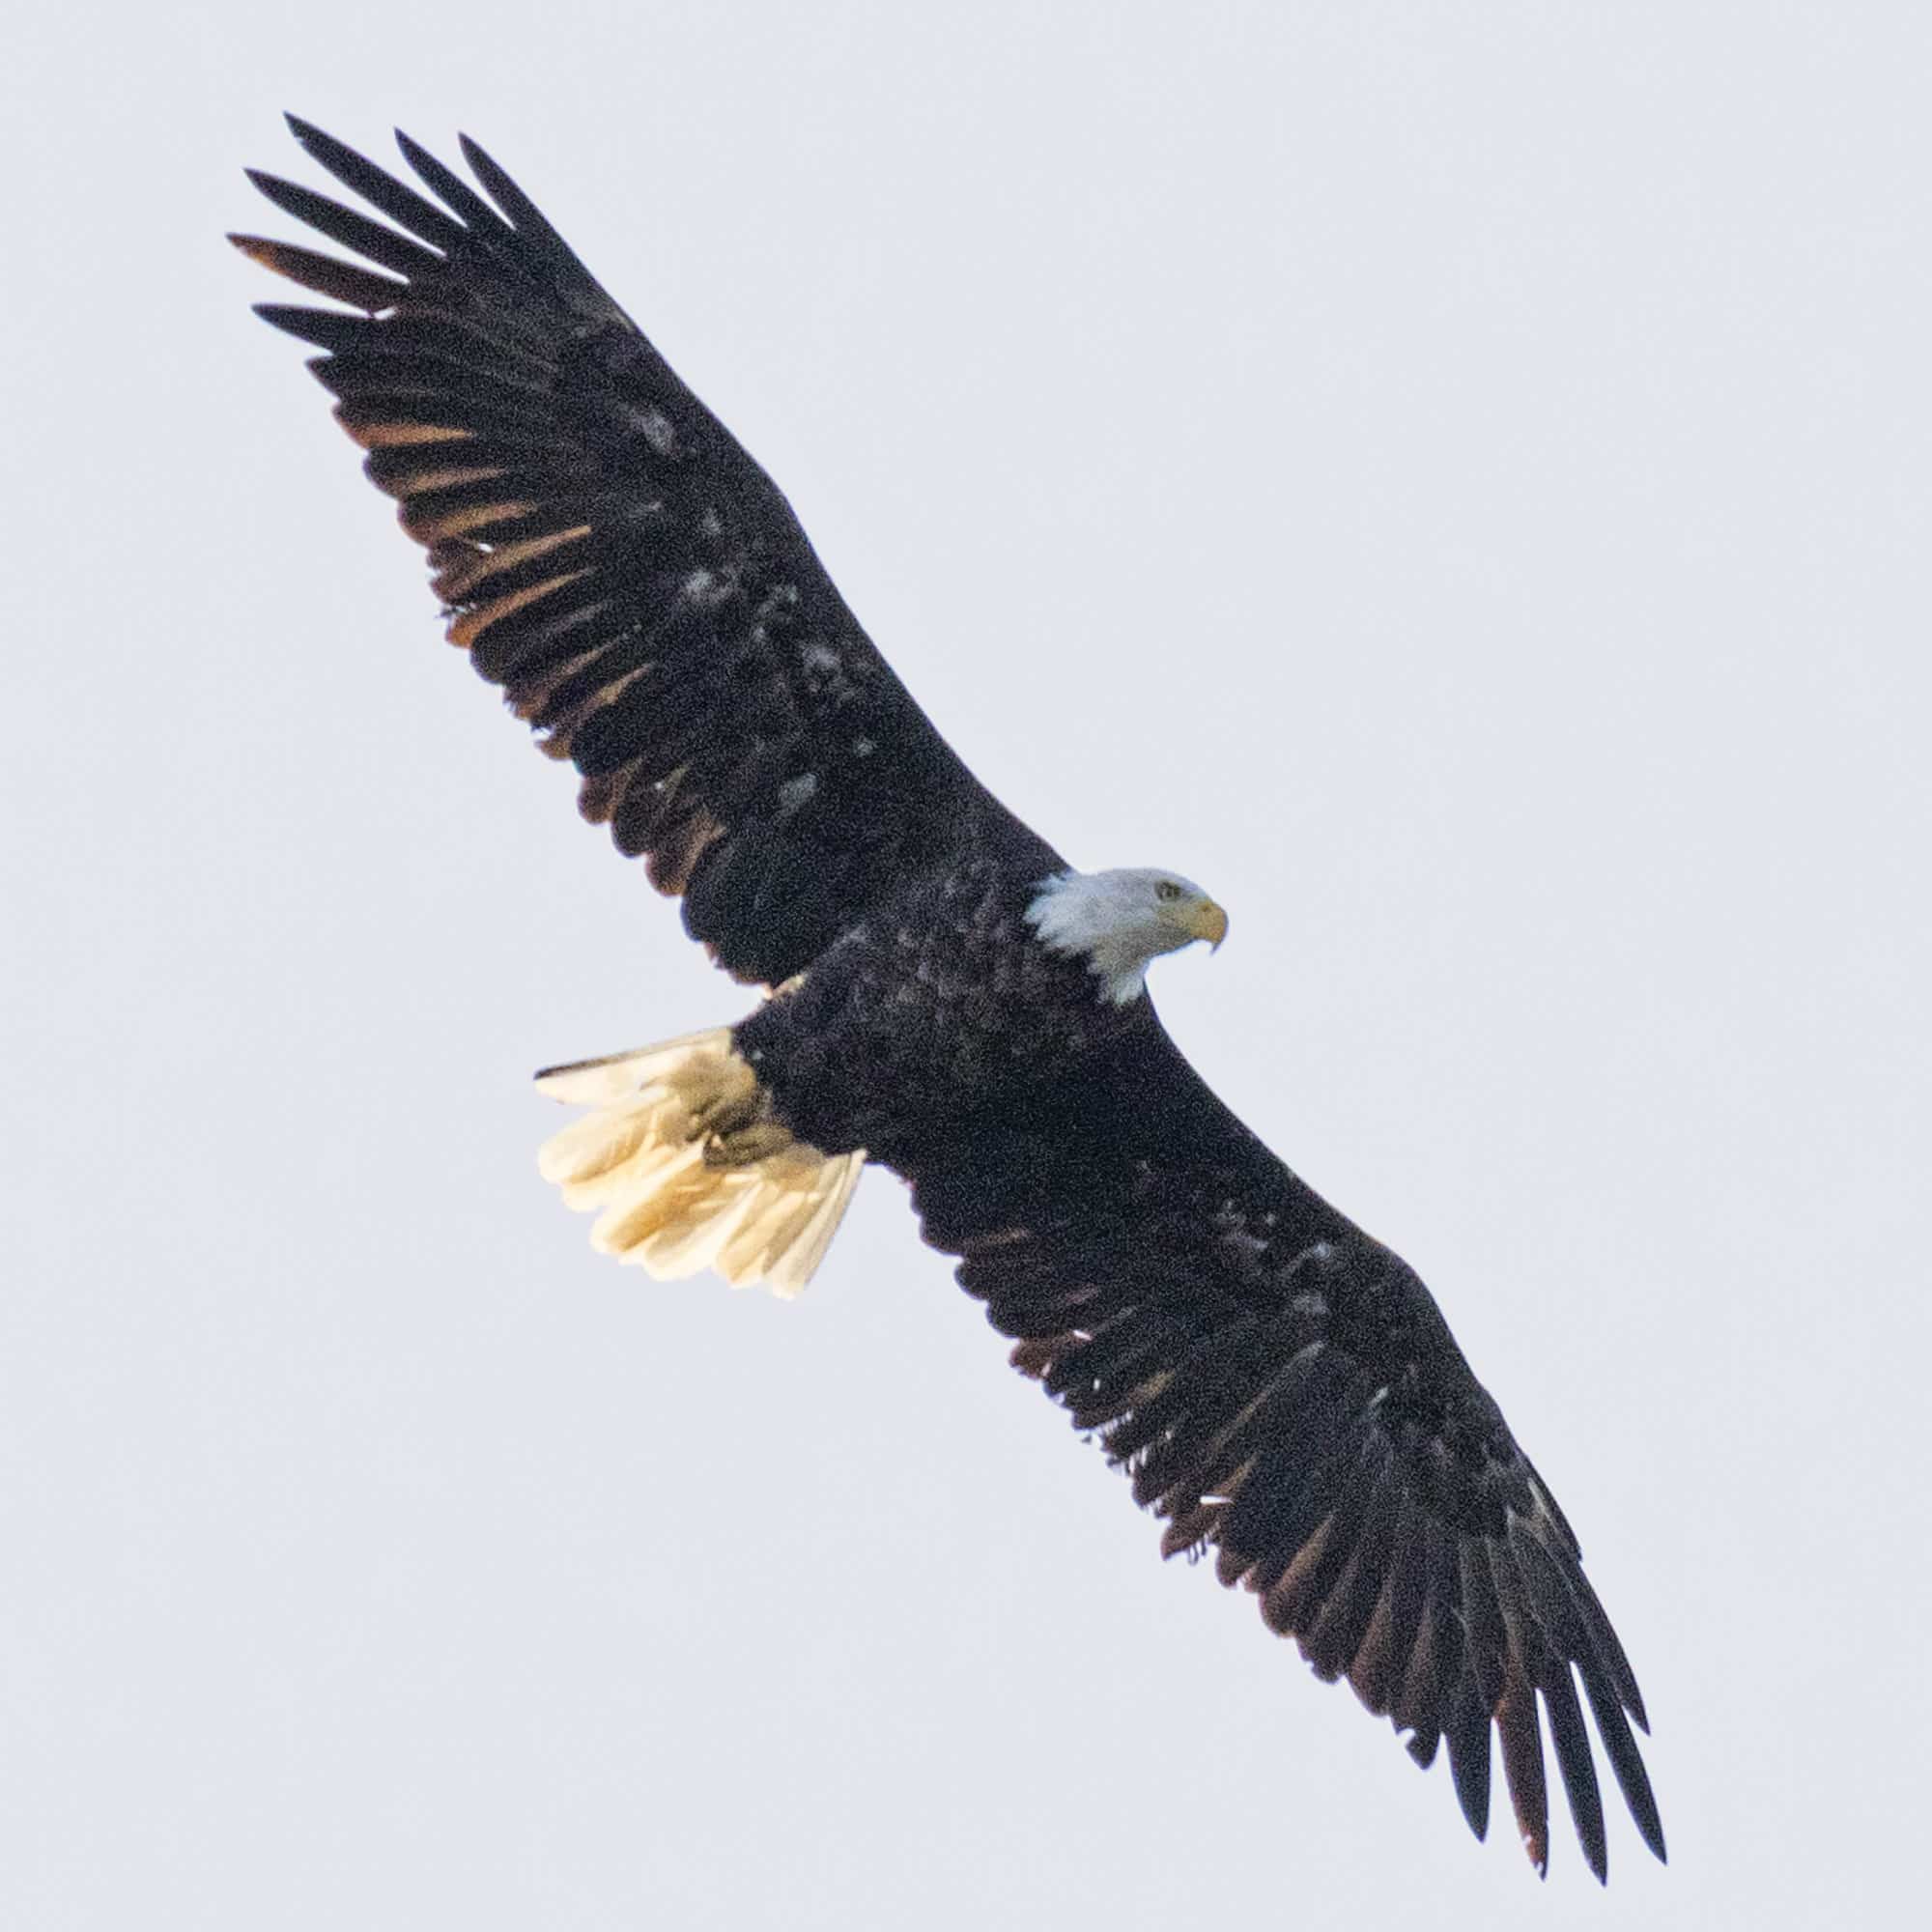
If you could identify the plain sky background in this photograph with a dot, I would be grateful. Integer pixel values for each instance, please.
(1454, 480)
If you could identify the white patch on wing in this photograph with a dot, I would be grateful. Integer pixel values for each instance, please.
(1310, 1301)
(1231, 1225)
(656, 428)
(825, 672)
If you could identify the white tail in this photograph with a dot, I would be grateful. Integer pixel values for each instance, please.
(690, 1170)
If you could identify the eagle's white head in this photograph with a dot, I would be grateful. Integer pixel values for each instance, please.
(1123, 920)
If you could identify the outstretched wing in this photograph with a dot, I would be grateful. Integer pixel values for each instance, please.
(609, 556)
(1284, 1391)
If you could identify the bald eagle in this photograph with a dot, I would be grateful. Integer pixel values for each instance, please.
(946, 999)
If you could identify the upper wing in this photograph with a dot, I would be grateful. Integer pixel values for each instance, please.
(609, 555)
(1285, 1390)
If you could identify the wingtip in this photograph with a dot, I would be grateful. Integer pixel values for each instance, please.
(1533, 1834)
(480, 161)
(1468, 1773)
(479, 157)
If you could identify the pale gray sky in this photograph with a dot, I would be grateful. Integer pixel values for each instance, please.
(1455, 481)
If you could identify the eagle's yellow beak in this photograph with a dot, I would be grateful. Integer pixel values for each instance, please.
(1207, 920)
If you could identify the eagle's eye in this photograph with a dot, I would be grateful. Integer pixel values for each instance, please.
(1167, 890)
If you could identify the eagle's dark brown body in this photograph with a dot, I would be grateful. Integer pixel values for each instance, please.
(943, 992)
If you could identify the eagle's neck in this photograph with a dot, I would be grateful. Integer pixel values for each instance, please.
(1096, 914)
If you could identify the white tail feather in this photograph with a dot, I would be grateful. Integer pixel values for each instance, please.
(690, 1170)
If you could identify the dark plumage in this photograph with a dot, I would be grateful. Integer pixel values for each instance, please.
(1280, 1388)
